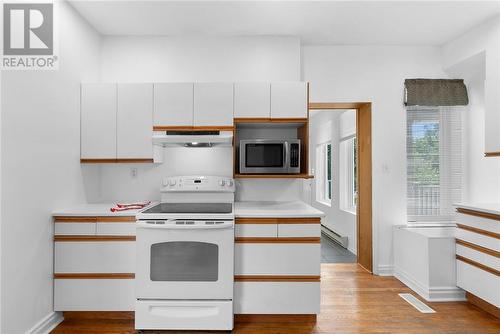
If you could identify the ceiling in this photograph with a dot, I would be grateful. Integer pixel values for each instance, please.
(315, 22)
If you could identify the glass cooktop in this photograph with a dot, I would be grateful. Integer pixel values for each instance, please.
(191, 208)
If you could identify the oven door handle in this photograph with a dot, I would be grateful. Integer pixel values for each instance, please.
(224, 225)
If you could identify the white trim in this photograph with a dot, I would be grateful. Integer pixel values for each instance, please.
(47, 324)
(385, 270)
(430, 294)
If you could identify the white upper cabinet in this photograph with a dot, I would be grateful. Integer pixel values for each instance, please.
(135, 121)
(98, 121)
(252, 100)
(213, 104)
(289, 100)
(173, 104)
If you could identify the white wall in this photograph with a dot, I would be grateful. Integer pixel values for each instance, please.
(40, 169)
(475, 56)
(325, 126)
(157, 59)
(376, 74)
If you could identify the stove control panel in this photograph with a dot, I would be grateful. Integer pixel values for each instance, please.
(198, 184)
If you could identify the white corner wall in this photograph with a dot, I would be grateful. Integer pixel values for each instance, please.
(375, 74)
(40, 169)
(326, 126)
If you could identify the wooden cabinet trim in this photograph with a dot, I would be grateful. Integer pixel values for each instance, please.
(270, 120)
(94, 219)
(94, 275)
(492, 154)
(478, 248)
(478, 265)
(79, 219)
(277, 278)
(93, 238)
(278, 240)
(478, 214)
(192, 128)
(115, 161)
(273, 176)
(479, 231)
(483, 304)
(274, 318)
(308, 220)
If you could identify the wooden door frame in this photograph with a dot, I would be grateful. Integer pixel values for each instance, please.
(364, 176)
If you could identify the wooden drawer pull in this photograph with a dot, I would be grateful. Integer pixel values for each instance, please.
(276, 278)
(277, 221)
(94, 276)
(478, 248)
(73, 238)
(479, 231)
(277, 240)
(478, 214)
(478, 265)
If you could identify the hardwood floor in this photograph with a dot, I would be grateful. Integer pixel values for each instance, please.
(353, 301)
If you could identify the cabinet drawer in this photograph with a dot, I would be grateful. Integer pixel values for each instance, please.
(94, 295)
(299, 230)
(256, 230)
(276, 297)
(478, 239)
(277, 259)
(479, 282)
(478, 222)
(94, 257)
(73, 228)
(127, 228)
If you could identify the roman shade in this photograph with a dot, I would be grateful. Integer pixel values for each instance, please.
(435, 92)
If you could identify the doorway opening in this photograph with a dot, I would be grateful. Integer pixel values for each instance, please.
(340, 158)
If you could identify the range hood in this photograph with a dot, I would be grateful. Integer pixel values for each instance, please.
(193, 138)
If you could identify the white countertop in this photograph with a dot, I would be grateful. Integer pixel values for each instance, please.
(90, 210)
(275, 209)
(493, 208)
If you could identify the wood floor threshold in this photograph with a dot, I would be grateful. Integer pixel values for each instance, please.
(478, 265)
(483, 304)
(83, 238)
(277, 220)
(479, 231)
(478, 248)
(274, 318)
(94, 275)
(276, 278)
(478, 213)
(278, 240)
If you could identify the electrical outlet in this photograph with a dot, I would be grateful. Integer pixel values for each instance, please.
(133, 172)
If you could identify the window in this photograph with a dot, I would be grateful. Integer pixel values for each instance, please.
(434, 162)
(348, 178)
(324, 173)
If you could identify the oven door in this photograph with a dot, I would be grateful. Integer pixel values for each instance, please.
(184, 262)
(263, 156)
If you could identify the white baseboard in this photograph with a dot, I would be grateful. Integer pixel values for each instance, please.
(47, 324)
(385, 270)
(430, 294)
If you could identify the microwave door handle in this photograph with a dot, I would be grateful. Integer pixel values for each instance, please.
(287, 157)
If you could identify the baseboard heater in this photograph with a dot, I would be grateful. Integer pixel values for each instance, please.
(334, 236)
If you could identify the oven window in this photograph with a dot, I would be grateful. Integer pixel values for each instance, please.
(264, 155)
(184, 261)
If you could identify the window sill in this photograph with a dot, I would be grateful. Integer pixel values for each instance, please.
(328, 204)
(352, 212)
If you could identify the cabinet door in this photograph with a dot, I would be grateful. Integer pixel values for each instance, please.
(98, 121)
(289, 100)
(135, 121)
(252, 100)
(213, 104)
(173, 104)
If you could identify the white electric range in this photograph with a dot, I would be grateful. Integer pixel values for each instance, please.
(185, 251)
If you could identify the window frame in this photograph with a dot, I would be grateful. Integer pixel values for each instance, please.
(348, 174)
(324, 184)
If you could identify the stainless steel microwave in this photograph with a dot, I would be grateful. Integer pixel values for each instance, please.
(270, 156)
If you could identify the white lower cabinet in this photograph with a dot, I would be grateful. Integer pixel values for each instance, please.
(483, 284)
(114, 228)
(277, 259)
(94, 257)
(299, 230)
(94, 295)
(256, 230)
(276, 297)
(71, 228)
